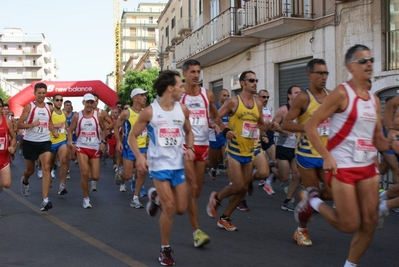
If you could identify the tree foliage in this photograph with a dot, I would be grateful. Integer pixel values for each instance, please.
(138, 79)
(4, 96)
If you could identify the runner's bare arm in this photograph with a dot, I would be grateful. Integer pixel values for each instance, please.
(298, 106)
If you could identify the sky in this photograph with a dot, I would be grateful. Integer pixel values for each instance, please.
(80, 33)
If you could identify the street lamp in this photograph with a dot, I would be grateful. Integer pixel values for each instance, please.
(148, 64)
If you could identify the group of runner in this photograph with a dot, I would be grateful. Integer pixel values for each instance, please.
(324, 136)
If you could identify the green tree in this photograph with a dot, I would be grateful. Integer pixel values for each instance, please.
(3, 95)
(138, 79)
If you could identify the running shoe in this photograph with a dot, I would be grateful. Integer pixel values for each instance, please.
(165, 257)
(243, 206)
(212, 173)
(381, 216)
(24, 188)
(268, 189)
(143, 191)
(39, 173)
(135, 203)
(261, 183)
(93, 186)
(152, 204)
(303, 211)
(302, 238)
(68, 177)
(122, 188)
(395, 210)
(52, 174)
(288, 206)
(118, 178)
(201, 239)
(86, 203)
(226, 224)
(212, 205)
(62, 190)
(46, 205)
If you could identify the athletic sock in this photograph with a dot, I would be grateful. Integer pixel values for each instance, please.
(315, 202)
(383, 195)
(349, 264)
(269, 179)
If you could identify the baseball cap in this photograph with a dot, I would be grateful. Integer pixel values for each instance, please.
(137, 91)
(88, 97)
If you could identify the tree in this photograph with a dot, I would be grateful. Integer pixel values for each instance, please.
(138, 79)
(4, 96)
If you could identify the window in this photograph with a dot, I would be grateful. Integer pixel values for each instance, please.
(392, 35)
(5, 47)
(151, 32)
(200, 6)
(19, 71)
(19, 59)
(5, 59)
(167, 32)
(151, 20)
(181, 11)
(5, 71)
(19, 47)
(173, 22)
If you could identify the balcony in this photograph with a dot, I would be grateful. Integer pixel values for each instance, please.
(47, 59)
(392, 50)
(183, 26)
(32, 51)
(271, 19)
(47, 47)
(214, 41)
(11, 52)
(174, 36)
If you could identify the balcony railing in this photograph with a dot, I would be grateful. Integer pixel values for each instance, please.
(392, 50)
(261, 11)
(216, 30)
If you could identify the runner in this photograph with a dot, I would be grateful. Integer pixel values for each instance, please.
(90, 134)
(244, 119)
(354, 137)
(166, 120)
(36, 119)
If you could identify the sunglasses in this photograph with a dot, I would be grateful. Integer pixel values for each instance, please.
(118, 106)
(126, 108)
(321, 73)
(265, 96)
(363, 60)
(251, 80)
(58, 100)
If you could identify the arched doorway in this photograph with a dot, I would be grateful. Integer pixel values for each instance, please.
(71, 88)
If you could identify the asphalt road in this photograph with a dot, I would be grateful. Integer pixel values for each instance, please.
(113, 234)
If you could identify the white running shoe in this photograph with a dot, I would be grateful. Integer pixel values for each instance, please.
(135, 203)
(39, 173)
(122, 188)
(93, 186)
(86, 203)
(52, 174)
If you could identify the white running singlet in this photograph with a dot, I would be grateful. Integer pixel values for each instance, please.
(40, 133)
(350, 140)
(166, 134)
(198, 106)
(88, 131)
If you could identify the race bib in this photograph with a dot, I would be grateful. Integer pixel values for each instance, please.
(257, 137)
(198, 117)
(364, 150)
(249, 130)
(61, 130)
(324, 128)
(267, 117)
(169, 137)
(42, 127)
(2, 143)
(88, 137)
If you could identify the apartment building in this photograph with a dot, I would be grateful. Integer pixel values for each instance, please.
(24, 58)
(276, 38)
(139, 36)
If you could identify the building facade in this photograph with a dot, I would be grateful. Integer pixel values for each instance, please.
(276, 38)
(24, 58)
(139, 35)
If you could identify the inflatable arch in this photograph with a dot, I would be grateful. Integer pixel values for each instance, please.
(74, 88)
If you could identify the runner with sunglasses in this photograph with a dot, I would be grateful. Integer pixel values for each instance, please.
(354, 137)
(59, 143)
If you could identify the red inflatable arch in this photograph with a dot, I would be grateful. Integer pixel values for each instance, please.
(77, 88)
